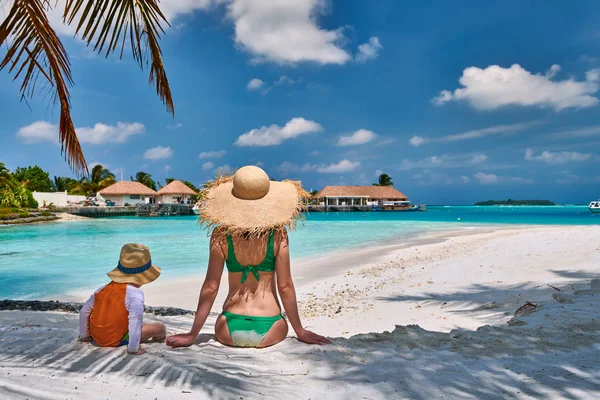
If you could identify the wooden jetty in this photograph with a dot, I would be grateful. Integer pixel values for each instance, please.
(140, 210)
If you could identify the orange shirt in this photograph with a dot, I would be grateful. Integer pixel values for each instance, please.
(109, 318)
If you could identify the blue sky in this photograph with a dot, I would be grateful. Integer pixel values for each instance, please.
(457, 101)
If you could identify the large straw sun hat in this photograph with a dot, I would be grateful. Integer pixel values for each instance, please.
(135, 266)
(249, 202)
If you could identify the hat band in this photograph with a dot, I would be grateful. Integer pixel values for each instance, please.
(133, 271)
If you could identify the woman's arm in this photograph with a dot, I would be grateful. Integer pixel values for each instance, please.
(287, 292)
(208, 293)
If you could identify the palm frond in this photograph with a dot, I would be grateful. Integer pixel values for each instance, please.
(108, 25)
(37, 52)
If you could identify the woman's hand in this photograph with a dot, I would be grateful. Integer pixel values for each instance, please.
(309, 337)
(181, 340)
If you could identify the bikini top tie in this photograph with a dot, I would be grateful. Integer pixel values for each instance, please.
(267, 265)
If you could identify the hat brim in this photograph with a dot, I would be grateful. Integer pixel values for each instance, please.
(280, 207)
(142, 278)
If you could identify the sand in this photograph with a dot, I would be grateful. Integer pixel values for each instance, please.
(431, 321)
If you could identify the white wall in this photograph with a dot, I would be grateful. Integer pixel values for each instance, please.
(60, 199)
(171, 199)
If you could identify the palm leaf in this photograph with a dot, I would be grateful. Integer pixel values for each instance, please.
(110, 24)
(36, 51)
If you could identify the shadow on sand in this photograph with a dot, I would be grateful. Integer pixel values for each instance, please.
(554, 352)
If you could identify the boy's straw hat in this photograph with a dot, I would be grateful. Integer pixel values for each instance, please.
(135, 266)
(249, 202)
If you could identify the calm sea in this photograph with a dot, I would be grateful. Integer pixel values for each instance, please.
(41, 261)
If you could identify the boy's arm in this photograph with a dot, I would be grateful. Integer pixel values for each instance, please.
(84, 318)
(134, 302)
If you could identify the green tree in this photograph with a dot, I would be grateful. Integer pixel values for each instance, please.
(145, 179)
(34, 178)
(384, 180)
(62, 183)
(99, 179)
(5, 176)
(34, 51)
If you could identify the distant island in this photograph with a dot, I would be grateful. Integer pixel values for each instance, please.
(511, 202)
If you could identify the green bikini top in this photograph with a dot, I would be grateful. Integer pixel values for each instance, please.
(267, 265)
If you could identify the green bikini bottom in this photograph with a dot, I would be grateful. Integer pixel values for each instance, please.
(248, 331)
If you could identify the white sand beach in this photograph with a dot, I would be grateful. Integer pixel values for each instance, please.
(435, 320)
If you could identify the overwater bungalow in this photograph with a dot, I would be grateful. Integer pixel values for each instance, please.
(175, 192)
(126, 192)
(362, 197)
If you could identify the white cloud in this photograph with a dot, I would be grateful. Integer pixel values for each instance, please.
(286, 167)
(286, 80)
(479, 158)
(158, 153)
(208, 165)
(340, 167)
(314, 153)
(260, 164)
(569, 178)
(101, 133)
(255, 84)
(431, 178)
(361, 136)
(492, 179)
(173, 8)
(495, 86)
(224, 169)
(589, 131)
(175, 126)
(508, 129)
(168, 168)
(557, 157)
(444, 161)
(42, 131)
(369, 51)
(211, 154)
(39, 131)
(282, 31)
(285, 32)
(417, 141)
(274, 135)
(486, 179)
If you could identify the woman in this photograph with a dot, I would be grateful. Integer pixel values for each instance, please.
(250, 214)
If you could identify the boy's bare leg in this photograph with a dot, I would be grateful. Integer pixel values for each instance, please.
(155, 332)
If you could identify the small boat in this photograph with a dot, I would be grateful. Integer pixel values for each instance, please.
(196, 209)
(594, 206)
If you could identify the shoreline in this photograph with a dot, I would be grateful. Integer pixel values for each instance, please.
(306, 270)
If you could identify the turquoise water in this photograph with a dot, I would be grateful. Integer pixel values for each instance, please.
(41, 261)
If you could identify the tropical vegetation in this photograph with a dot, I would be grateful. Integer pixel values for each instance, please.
(34, 178)
(511, 202)
(65, 184)
(145, 179)
(35, 52)
(99, 179)
(384, 180)
(12, 192)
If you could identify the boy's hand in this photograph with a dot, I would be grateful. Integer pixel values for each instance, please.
(181, 340)
(85, 339)
(138, 353)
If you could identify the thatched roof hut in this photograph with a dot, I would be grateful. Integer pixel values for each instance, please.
(127, 188)
(371, 192)
(176, 188)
